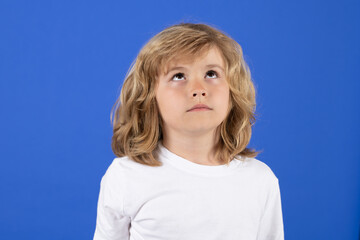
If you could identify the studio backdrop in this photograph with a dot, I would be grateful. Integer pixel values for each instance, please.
(62, 64)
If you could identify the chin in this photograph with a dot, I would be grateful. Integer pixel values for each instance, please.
(200, 129)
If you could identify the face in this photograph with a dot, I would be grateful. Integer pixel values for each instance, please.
(193, 95)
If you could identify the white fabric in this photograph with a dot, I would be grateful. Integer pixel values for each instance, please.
(188, 201)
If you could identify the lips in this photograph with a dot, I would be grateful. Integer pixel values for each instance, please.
(199, 107)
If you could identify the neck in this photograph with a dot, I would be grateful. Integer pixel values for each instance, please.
(198, 148)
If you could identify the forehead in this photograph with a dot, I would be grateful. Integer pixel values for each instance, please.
(210, 56)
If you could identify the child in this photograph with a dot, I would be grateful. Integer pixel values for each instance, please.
(180, 134)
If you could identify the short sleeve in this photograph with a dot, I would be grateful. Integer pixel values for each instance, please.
(271, 223)
(111, 222)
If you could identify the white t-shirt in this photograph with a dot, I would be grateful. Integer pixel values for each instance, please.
(189, 201)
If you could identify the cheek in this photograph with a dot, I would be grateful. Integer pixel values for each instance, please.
(223, 94)
(223, 100)
(168, 103)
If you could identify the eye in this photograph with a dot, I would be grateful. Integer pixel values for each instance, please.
(212, 74)
(178, 77)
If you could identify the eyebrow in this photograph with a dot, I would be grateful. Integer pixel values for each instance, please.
(214, 65)
(174, 68)
(181, 68)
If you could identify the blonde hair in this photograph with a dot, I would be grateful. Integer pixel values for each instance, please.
(137, 124)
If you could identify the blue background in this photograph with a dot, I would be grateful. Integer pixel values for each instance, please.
(62, 64)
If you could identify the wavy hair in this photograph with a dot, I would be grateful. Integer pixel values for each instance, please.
(135, 117)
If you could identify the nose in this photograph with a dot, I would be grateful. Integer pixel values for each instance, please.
(201, 92)
(198, 89)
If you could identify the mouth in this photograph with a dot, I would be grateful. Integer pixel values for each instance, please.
(199, 107)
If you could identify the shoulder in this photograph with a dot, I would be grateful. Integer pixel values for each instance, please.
(125, 169)
(259, 168)
(115, 179)
(262, 175)
(120, 165)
